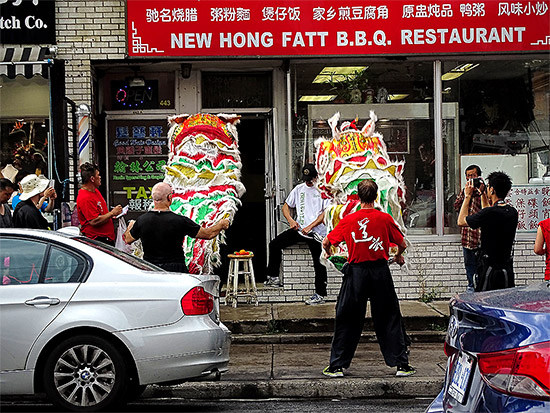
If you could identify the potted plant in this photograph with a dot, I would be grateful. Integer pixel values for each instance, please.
(350, 87)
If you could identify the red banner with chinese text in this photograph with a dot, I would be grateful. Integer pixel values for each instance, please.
(174, 28)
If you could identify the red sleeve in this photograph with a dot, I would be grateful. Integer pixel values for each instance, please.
(336, 236)
(396, 236)
(459, 200)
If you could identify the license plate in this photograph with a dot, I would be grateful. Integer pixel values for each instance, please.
(461, 377)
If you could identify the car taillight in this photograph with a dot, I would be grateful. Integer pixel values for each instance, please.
(523, 371)
(449, 350)
(197, 302)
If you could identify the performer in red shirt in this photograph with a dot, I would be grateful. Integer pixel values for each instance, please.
(96, 221)
(368, 234)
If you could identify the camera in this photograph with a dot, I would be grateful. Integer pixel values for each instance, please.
(476, 182)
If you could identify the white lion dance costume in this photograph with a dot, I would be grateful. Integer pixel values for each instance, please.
(204, 169)
(351, 156)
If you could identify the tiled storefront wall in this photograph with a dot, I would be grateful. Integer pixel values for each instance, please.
(434, 270)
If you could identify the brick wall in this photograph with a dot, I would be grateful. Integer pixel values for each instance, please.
(434, 269)
(85, 31)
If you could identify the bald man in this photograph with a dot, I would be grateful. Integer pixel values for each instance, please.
(162, 232)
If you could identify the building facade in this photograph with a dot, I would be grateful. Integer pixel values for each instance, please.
(476, 91)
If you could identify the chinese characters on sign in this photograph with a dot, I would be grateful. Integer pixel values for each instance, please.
(137, 158)
(532, 203)
(210, 28)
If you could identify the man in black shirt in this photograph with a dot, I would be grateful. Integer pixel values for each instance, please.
(498, 222)
(162, 232)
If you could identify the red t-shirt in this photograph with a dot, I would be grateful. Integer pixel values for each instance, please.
(90, 205)
(545, 225)
(368, 234)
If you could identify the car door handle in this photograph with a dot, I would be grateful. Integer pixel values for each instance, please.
(43, 301)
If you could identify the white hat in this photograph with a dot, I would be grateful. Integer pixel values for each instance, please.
(32, 185)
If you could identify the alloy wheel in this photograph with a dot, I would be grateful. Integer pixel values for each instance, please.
(84, 375)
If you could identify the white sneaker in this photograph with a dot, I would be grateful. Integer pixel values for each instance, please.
(315, 299)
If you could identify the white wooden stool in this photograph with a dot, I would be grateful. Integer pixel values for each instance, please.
(247, 269)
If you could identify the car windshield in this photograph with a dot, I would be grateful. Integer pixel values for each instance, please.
(127, 258)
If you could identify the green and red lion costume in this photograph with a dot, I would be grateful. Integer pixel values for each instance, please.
(349, 157)
(204, 169)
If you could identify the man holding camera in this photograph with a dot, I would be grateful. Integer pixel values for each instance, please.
(470, 237)
(498, 222)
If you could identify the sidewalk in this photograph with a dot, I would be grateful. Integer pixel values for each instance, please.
(294, 322)
(279, 351)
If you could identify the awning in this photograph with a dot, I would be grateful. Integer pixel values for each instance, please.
(27, 61)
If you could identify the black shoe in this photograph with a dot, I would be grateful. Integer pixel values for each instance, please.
(338, 372)
(405, 370)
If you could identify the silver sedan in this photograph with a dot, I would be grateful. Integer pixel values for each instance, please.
(91, 326)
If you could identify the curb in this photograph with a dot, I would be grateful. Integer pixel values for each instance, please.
(308, 326)
(347, 388)
(315, 338)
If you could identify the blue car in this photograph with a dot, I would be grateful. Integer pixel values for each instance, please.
(498, 349)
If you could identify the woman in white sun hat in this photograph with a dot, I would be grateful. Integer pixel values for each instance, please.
(26, 215)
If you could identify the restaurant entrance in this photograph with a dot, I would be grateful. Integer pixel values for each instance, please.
(255, 219)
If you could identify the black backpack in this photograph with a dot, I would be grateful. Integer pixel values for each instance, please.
(490, 276)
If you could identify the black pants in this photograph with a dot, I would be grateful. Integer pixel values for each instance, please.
(291, 237)
(363, 281)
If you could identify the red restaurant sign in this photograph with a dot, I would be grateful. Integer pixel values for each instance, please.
(320, 28)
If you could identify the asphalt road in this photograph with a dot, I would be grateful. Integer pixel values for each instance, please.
(273, 405)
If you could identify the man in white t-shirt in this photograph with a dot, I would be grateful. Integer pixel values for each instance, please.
(308, 226)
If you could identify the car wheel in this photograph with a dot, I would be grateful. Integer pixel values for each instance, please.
(85, 373)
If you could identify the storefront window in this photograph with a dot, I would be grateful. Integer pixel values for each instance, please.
(401, 95)
(24, 125)
(504, 108)
(140, 90)
(236, 90)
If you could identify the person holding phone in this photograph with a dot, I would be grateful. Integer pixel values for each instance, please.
(470, 238)
(26, 214)
(46, 201)
(498, 223)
